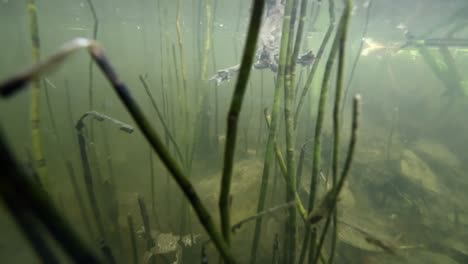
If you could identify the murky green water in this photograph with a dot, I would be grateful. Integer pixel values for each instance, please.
(403, 201)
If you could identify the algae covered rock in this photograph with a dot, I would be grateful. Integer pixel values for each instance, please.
(418, 172)
(437, 153)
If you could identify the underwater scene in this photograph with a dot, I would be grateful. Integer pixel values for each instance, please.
(221, 131)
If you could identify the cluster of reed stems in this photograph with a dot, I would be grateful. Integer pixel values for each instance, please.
(39, 205)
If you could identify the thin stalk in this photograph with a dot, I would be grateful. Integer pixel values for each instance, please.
(298, 41)
(284, 171)
(51, 114)
(336, 118)
(162, 120)
(89, 181)
(165, 109)
(19, 81)
(110, 185)
(233, 115)
(36, 202)
(131, 231)
(91, 64)
(319, 124)
(300, 166)
(176, 71)
(269, 152)
(71, 171)
(216, 95)
(79, 198)
(35, 106)
(88, 178)
(152, 185)
(260, 131)
(276, 254)
(344, 172)
(272, 210)
(184, 78)
(209, 22)
(357, 57)
(146, 224)
(310, 77)
(289, 93)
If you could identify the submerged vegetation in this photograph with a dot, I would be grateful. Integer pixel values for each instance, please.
(294, 188)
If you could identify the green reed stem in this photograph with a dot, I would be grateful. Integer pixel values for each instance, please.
(71, 171)
(269, 152)
(79, 198)
(289, 92)
(91, 64)
(162, 120)
(184, 78)
(88, 178)
(284, 171)
(357, 57)
(272, 210)
(35, 106)
(131, 231)
(336, 117)
(310, 77)
(152, 185)
(344, 173)
(233, 115)
(298, 41)
(146, 224)
(209, 22)
(319, 124)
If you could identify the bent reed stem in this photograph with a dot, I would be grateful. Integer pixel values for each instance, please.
(233, 115)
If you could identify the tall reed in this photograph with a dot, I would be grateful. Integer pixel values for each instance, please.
(233, 115)
(35, 106)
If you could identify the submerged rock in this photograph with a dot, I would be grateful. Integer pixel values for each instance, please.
(437, 153)
(418, 172)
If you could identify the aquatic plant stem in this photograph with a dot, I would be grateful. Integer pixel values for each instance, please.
(162, 120)
(131, 231)
(269, 152)
(152, 183)
(35, 106)
(184, 78)
(146, 224)
(336, 117)
(357, 57)
(233, 115)
(19, 81)
(79, 198)
(289, 94)
(272, 210)
(88, 178)
(318, 56)
(89, 182)
(207, 48)
(319, 122)
(344, 172)
(284, 171)
(91, 64)
(70, 169)
(298, 41)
